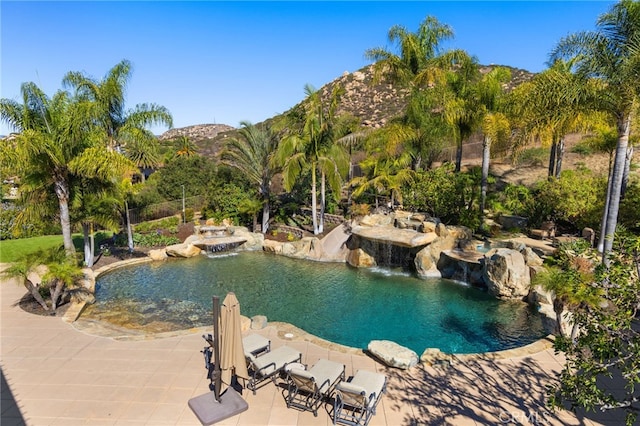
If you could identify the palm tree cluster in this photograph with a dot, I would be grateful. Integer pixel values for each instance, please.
(76, 151)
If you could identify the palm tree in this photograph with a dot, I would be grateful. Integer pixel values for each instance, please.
(611, 54)
(95, 204)
(461, 100)
(387, 165)
(548, 107)
(21, 269)
(63, 272)
(252, 153)
(417, 51)
(495, 125)
(312, 142)
(108, 99)
(143, 151)
(57, 143)
(185, 147)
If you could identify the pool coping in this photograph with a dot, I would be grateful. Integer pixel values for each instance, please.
(286, 331)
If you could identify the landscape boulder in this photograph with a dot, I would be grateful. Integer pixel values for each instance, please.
(158, 254)
(392, 354)
(506, 274)
(183, 250)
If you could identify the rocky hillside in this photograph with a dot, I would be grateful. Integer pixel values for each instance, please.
(373, 103)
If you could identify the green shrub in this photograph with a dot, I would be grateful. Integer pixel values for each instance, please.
(532, 157)
(188, 215)
(575, 199)
(169, 224)
(582, 148)
(153, 240)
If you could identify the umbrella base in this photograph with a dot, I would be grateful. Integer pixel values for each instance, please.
(210, 411)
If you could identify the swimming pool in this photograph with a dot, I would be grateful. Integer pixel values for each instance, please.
(332, 301)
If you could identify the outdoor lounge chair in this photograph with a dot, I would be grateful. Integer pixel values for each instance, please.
(356, 401)
(270, 364)
(254, 345)
(307, 388)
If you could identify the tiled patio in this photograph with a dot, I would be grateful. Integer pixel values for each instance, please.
(58, 375)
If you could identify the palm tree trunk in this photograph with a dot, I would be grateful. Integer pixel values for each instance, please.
(129, 232)
(559, 156)
(265, 214)
(459, 156)
(603, 221)
(55, 293)
(627, 166)
(558, 307)
(624, 125)
(322, 202)
(552, 158)
(88, 242)
(314, 199)
(486, 156)
(33, 289)
(62, 192)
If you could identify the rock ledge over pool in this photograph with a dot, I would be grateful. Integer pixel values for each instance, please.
(392, 354)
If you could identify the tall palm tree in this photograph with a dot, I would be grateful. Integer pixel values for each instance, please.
(461, 100)
(387, 165)
(421, 65)
(94, 203)
(312, 142)
(108, 99)
(553, 104)
(252, 152)
(417, 51)
(56, 141)
(495, 125)
(611, 54)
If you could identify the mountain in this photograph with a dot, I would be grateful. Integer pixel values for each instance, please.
(373, 103)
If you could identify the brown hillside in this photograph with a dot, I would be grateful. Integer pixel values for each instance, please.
(374, 104)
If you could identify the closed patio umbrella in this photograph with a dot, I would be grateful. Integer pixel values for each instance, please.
(232, 358)
(212, 407)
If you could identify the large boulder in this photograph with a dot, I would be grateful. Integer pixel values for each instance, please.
(392, 354)
(255, 240)
(360, 259)
(506, 274)
(158, 254)
(183, 250)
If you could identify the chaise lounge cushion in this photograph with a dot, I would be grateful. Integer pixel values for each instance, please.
(275, 360)
(364, 383)
(254, 344)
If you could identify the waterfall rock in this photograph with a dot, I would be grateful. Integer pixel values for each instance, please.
(465, 266)
(506, 274)
(183, 250)
(392, 354)
(377, 220)
(360, 259)
(255, 240)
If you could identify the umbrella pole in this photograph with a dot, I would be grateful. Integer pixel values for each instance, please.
(216, 347)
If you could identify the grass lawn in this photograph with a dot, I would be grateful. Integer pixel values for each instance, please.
(11, 250)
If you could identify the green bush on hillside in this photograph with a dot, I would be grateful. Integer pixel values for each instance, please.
(575, 199)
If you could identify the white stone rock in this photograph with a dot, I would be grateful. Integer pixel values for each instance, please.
(506, 274)
(392, 354)
(159, 254)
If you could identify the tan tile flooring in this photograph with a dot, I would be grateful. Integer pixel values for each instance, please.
(54, 374)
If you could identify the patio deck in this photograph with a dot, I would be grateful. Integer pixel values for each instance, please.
(55, 374)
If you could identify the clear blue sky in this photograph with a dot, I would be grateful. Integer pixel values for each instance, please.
(223, 62)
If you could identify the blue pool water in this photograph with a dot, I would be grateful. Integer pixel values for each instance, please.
(332, 301)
